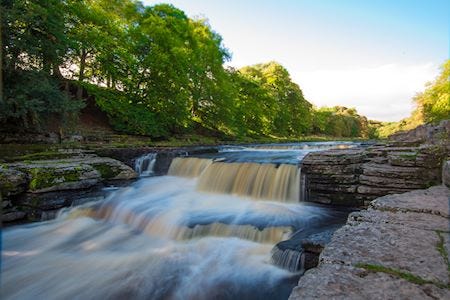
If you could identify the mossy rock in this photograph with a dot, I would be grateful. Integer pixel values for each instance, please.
(60, 177)
(45, 177)
(107, 171)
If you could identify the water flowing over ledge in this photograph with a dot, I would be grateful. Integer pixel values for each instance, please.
(144, 164)
(201, 232)
(258, 181)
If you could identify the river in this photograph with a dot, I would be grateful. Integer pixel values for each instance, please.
(207, 230)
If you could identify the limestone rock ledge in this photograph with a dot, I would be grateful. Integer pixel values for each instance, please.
(396, 249)
(40, 179)
(354, 177)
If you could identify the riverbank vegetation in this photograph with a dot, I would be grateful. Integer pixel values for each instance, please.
(154, 72)
(432, 105)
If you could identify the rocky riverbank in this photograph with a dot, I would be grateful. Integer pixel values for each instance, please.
(354, 177)
(396, 249)
(399, 247)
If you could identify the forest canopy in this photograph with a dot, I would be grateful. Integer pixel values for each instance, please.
(153, 71)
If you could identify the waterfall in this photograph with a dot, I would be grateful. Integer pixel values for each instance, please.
(292, 260)
(303, 187)
(188, 166)
(268, 235)
(144, 164)
(259, 181)
(255, 180)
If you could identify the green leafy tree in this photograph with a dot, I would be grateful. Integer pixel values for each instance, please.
(434, 103)
(34, 45)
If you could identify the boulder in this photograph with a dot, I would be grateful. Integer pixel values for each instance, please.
(72, 173)
(46, 177)
(12, 182)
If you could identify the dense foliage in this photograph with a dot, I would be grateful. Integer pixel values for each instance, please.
(152, 69)
(34, 43)
(341, 122)
(432, 105)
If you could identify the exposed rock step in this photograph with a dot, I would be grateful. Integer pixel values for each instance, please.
(354, 177)
(41, 179)
(397, 249)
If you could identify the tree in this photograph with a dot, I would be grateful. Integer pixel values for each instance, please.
(34, 45)
(285, 109)
(434, 103)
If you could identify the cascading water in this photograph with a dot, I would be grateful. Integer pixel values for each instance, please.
(188, 167)
(202, 232)
(259, 181)
(144, 165)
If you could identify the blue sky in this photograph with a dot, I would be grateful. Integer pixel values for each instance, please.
(373, 55)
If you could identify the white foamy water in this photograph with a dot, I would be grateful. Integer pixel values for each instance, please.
(190, 236)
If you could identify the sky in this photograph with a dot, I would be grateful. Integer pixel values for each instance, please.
(374, 55)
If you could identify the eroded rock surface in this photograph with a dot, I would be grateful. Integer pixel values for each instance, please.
(433, 201)
(397, 249)
(346, 282)
(354, 177)
(424, 133)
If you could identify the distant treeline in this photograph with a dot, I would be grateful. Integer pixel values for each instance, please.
(153, 70)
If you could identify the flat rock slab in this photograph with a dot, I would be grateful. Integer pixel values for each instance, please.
(410, 219)
(335, 157)
(391, 182)
(389, 171)
(343, 282)
(399, 247)
(379, 191)
(434, 200)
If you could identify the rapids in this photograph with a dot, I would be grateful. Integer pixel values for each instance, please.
(207, 230)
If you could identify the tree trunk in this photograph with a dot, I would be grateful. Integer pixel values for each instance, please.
(57, 72)
(46, 64)
(81, 74)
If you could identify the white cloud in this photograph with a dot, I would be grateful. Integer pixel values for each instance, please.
(381, 93)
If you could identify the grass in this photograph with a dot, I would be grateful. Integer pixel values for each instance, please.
(407, 276)
(401, 274)
(412, 155)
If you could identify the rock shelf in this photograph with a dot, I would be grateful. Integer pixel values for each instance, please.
(396, 249)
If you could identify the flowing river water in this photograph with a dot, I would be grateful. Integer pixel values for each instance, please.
(210, 229)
